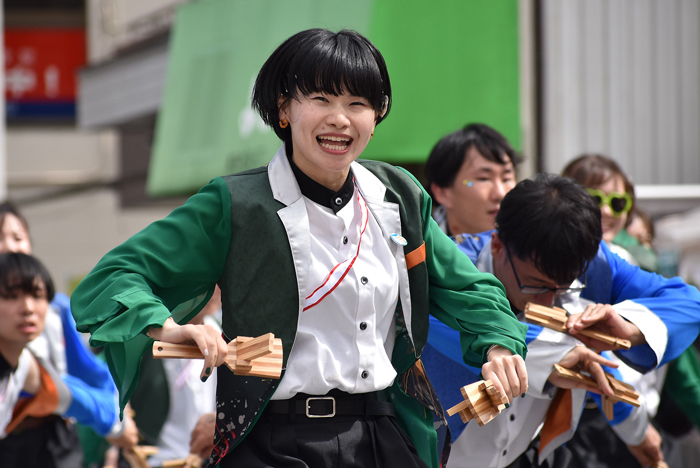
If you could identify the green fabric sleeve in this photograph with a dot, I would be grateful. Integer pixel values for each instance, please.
(168, 269)
(645, 257)
(683, 384)
(467, 300)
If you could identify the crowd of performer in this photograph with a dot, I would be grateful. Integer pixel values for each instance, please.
(388, 298)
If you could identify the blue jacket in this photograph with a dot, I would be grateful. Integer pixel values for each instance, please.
(92, 389)
(610, 280)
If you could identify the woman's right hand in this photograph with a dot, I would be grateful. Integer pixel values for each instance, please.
(506, 371)
(209, 341)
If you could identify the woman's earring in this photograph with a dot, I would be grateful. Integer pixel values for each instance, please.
(372, 135)
(284, 123)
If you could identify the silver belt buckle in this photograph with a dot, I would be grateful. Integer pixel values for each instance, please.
(309, 400)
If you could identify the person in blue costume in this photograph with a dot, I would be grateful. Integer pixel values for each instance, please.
(29, 387)
(548, 235)
(666, 389)
(93, 401)
(468, 172)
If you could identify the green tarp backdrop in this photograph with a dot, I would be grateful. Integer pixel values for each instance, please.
(450, 63)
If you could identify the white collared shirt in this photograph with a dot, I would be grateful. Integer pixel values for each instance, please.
(345, 340)
(501, 441)
(10, 389)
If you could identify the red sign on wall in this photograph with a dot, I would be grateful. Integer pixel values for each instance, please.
(41, 65)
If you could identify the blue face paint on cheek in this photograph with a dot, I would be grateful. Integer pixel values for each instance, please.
(468, 183)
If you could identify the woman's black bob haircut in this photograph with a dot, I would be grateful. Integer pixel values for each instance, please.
(19, 274)
(319, 60)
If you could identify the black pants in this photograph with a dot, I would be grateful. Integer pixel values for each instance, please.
(595, 445)
(339, 442)
(560, 458)
(49, 442)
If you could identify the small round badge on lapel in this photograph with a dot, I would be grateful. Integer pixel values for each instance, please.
(399, 239)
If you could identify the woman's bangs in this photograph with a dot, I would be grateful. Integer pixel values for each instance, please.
(338, 71)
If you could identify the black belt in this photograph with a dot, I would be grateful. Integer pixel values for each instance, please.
(328, 406)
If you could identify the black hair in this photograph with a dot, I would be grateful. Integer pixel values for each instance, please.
(19, 272)
(319, 60)
(553, 222)
(448, 155)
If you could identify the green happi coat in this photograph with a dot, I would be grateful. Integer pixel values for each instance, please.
(249, 233)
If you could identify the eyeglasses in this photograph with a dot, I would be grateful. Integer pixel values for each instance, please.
(619, 203)
(543, 289)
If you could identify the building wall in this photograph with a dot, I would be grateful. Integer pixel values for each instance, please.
(114, 25)
(623, 78)
(65, 182)
(71, 233)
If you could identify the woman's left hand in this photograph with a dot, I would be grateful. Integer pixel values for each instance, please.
(507, 372)
(209, 341)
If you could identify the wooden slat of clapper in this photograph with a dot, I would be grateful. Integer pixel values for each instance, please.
(622, 387)
(463, 409)
(555, 319)
(269, 365)
(481, 402)
(136, 457)
(261, 358)
(621, 390)
(192, 461)
(607, 408)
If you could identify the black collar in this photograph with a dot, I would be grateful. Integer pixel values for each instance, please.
(324, 196)
(5, 368)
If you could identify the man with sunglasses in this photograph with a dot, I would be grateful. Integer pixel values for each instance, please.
(547, 249)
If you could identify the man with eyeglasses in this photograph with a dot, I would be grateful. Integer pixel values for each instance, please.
(547, 249)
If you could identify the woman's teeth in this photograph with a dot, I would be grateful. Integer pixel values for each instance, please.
(333, 143)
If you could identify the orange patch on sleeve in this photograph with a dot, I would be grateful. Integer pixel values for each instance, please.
(415, 257)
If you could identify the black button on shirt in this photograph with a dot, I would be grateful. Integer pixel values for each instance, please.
(364, 280)
(363, 326)
(365, 374)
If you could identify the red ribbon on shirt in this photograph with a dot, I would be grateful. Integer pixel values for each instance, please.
(338, 272)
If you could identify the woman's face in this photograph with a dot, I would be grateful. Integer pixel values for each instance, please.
(13, 237)
(328, 133)
(23, 315)
(611, 225)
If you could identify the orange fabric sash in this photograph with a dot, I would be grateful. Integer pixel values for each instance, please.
(42, 404)
(558, 419)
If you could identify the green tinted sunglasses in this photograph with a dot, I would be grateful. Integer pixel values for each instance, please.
(619, 203)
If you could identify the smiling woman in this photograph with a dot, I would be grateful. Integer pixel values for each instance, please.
(338, 258)
(332, 94)
(328, 133)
